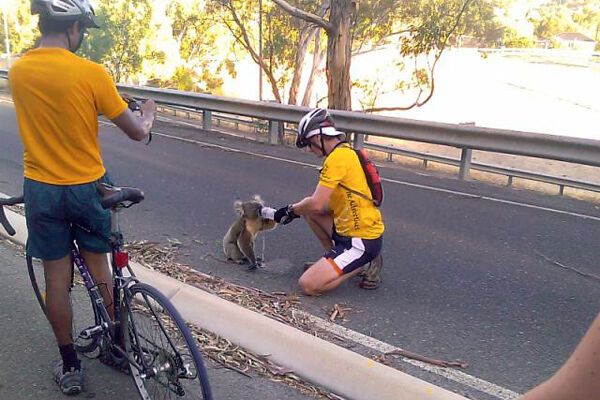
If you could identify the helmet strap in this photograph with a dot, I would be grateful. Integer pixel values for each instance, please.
(322, 143)
(79, 42)
(69, 40)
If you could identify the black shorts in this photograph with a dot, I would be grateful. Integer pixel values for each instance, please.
(351, 253)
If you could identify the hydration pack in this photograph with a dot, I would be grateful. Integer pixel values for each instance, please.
(373, 179)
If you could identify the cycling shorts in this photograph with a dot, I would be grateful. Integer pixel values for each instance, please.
(350, 253)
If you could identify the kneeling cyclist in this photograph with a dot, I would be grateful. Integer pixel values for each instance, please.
(347, 224)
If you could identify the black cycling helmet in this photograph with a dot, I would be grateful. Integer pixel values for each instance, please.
(316, 122)
(66, 10)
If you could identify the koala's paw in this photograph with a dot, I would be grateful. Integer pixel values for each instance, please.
(252, 267)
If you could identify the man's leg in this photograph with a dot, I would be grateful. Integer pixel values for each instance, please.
(97, 263)
(57, 274)
(323, 277)
(322, 227)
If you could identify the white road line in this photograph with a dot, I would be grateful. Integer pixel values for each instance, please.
(232, 150)
(475, 196)
(448, 373)
(416, 185)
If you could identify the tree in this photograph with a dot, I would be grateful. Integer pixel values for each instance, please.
(21, 26)
(197, 40)
(428, 24)
(589, 18)
(307, 34)
(118, 45)
(239, 17)
(553, 18)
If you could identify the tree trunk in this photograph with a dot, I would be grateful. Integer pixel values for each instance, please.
(318, 57)
(305, 37)
(338, 54)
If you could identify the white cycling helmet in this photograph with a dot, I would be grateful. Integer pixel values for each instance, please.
(316, 122)
(66, 10)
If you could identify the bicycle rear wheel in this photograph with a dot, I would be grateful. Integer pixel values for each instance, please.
(84, 313)
(169, 363)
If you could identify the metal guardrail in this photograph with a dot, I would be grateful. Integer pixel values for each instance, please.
(580, 151)
(467, 138)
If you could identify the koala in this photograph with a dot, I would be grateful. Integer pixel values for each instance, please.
(238, 243)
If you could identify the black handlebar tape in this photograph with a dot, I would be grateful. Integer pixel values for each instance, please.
(7, 226)
(3, 220)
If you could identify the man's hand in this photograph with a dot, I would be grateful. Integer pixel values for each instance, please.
(285, 215)
(148, 107)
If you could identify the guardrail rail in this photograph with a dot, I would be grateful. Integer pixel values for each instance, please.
(464, 137)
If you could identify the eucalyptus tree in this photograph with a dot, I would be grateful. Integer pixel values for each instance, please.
(22, 30)
(118, 45)
(425, 27)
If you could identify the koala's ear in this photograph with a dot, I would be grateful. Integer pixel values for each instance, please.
(238, 207)
(258, 199)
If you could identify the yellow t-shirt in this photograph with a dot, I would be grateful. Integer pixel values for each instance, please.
(353, 216)
(58, 97)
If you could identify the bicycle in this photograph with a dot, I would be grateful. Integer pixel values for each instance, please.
(148, 336)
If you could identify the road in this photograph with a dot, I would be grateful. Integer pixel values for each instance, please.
(467, 273)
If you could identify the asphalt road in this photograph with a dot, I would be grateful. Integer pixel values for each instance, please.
(464, 278)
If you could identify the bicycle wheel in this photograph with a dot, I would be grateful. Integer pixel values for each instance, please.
(84, 312)
(166, 361)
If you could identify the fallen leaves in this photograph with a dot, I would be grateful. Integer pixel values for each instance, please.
(280, 306)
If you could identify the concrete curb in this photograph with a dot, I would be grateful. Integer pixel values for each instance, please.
(339, 370)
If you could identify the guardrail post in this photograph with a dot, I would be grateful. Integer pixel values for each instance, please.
(465, 163)
(273, 132)
(359, 141)
(207, 120)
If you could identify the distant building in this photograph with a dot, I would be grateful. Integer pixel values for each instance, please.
(575, 41)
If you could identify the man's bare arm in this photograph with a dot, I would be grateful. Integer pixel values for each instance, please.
(579, 377)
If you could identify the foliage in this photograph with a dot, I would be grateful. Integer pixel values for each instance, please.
(512, 39)
(480, 22)
(21, 26)
(280, 35)
(588, 17)
(552, 19)
(118, 45)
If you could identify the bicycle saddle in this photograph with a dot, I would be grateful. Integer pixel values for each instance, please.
(113, 196)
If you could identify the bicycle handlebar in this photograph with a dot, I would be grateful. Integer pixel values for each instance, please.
(11, 201)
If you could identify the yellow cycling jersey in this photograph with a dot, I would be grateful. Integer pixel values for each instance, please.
(353, 215)
(58, 97)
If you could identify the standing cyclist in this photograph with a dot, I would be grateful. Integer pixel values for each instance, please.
(348, 225)
(58, 97)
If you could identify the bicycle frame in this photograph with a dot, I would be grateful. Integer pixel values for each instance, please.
(121, 293)
(119, 260)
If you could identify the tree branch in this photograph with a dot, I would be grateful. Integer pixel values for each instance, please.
(306, 16)
(417, 102)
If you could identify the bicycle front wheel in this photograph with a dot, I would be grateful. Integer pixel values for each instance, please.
(164, 358)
